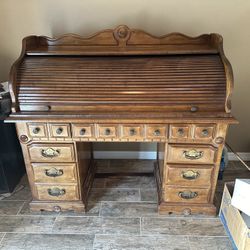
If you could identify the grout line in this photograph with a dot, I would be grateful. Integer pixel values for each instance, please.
(20, 209)
(94, 241)
(140, 226)
(1, 240)
(100, 209)
(189, 244)
(140, 194)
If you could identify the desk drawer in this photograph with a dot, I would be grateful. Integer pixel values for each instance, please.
(204, 131)
(107, 131)
(180, 131)
(131, 131)
(58, 192)
(82, 130)
(59, 130)
(37, 129)
(186, 195)
(156, 132)
(51, 152)
(54, 173)
(195, 154)
(189, 175)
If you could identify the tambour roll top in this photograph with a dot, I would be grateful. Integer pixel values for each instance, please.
(122, 70)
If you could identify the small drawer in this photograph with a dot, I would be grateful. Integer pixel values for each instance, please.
(59, 130)
(107, 131)
(53, 173)
(204, 132)
(195, 154)
(154, 132)
(179, 131)
(82, 130)
(189, 175)
(37, 129)
(186, 195)
(51, 152)
(131, 131)
(57, 192)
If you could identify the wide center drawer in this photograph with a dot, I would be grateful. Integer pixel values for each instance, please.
(195, 154)
(189, 175)
(51, 152)
(57, 192)
(54, 173)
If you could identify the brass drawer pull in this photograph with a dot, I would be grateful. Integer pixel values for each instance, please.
(188, 195)
(190, 175)
(157, 132)
(56, 191)
(50, 152)
(82, 131)
(132, 131)
(53, 172)
(205, 132)
(193, 154)
(107, 131)
(59, 131)
(36, 130)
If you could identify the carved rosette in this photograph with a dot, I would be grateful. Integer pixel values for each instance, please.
(122, 35)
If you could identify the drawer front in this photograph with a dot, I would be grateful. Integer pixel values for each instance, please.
(189, 175)
(186, 195)
(59, 130)
(179, 131)
(131, 131)
(204, 132)
(107, 131)
(57, 192)
(37, 129)
(154, 132)
(82, 130)
(54, 173)
(195, 154)
(51, 152)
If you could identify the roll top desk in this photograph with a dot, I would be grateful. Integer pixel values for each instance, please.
(122, 85)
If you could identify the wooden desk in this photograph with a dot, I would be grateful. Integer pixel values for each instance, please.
(122, 85)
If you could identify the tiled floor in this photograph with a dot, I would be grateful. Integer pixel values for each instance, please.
(122, 215)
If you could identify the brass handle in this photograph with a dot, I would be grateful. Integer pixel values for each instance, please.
(190, 175)
(50, 152)
(53, 172)
(180, 131)
(157, 132)
(59, 131)
(107, 131)
(56, 191)
(83, 131)
(205, 132)
(187, 195)
(36, 130)
(193, 154)
(194, 109)
(132, 131)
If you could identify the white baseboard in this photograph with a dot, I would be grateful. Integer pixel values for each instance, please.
(151, 155)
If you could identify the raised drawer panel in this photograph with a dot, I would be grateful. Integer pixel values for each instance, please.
(37, 129)
(191, 154)
(204, 131)
(180, 131)
(54, 173)
(107, 131)
(131, 131)
(186, 194)
(156, 132)
(51, 152)
(59, 130)
(189, 175)
(82, 130)
(57, 192)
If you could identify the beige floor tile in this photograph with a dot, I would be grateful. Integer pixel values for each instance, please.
(23, 195)
(97, 225)
(26, 224)
(114, 194)
(123, 242)
(183, 226)
(210, 243)
(149, 194)
(10, 207)
(47, 242)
